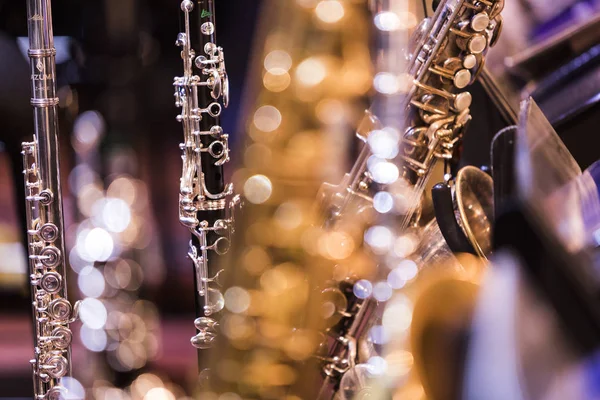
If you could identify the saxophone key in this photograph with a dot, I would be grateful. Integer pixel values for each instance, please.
(496, 9)
(462, 78)
(462, 101)
(470, 61)
(477, 44)
(480, 22)
(497, 26)
(459, 101)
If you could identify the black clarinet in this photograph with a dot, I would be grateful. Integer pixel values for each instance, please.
(206, 201)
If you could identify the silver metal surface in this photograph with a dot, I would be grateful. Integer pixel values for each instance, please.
(52, 312)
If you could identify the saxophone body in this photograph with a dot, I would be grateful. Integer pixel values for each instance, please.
(206, 202)
(52, 311)
(446, 54)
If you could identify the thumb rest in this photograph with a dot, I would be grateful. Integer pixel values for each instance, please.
(206, 205)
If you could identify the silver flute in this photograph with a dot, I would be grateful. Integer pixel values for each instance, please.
(206, 201)
(52, 312)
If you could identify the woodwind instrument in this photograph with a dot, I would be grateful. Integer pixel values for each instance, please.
(419, 122)
(52, 312)
(448, 53)
(447, 56)
(206, 202)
